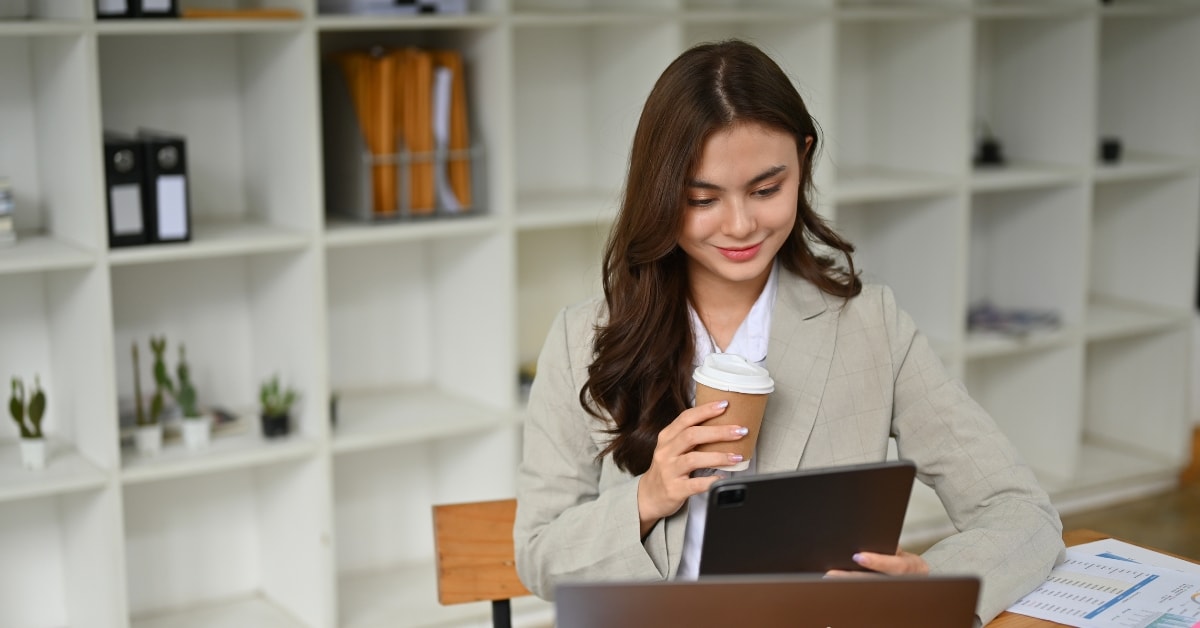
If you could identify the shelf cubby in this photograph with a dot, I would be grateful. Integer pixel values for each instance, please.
(60, 565)
(1028, 251)
(1033, 90)
(1144, 236)
(555, 268)
(1035, 399)
(238, 319)
(386, 537)
(1149, 112)
(348, 219)
(885, 71)
(398, 317)
(53, 332)
(250, 143)
(912, 246)
(577, 96)
(195, 544)
(1117, 414)
(48, 155)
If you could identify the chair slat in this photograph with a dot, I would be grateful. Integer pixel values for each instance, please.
(475, 552)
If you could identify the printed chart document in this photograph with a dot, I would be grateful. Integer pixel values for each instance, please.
(1111, 583)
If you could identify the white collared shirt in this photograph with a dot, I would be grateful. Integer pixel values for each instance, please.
(750, 341)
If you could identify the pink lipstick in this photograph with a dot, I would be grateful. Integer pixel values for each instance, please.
(740, 255)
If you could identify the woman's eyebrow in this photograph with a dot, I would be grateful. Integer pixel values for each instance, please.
(759, 178)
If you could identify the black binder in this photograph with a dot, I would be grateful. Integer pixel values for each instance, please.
(165, 192)
(124, 9)
(124, 174)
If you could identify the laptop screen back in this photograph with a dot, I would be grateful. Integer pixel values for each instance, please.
(797, 601)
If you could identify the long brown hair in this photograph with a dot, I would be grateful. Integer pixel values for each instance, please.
(643, 353)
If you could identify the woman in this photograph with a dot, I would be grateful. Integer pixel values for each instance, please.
(711, 251)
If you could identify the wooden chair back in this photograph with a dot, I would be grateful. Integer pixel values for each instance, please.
(475, 555)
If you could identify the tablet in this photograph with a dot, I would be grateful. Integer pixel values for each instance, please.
(805, 521)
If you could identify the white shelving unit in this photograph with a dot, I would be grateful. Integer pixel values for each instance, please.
(414, 331)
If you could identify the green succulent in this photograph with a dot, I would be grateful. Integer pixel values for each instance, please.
(34, 410)
(276, 400)
(185, 392)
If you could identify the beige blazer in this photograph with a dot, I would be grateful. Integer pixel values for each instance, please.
(847, 376)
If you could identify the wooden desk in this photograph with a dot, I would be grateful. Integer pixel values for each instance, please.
(1071, 538)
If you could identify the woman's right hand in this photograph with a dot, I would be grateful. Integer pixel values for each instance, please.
(668, 483)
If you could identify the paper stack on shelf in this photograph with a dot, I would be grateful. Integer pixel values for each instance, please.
(458, 139)
(411, 109)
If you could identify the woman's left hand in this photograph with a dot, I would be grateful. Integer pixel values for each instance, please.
(902, 563)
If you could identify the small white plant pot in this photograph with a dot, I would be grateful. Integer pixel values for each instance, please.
(197, 432)
(33, 453)
(148, 439)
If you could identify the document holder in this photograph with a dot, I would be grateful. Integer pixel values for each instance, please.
(124, 174)
(456, 186)
(165, 192)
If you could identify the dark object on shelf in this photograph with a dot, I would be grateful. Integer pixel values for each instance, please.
(122, 9)
(1110, 150)
(165, 188)
(124, 175)
(401, 7)
(196, 13)
(8, 209)
(1011, 321)
(275, 425)
(990, 152)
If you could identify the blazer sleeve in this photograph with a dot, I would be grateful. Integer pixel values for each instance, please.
(566, 527)
(1008, 532)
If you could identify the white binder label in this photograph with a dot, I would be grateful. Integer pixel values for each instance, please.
(156, 6)
(172, 207)
(127, 209)
(109, 7)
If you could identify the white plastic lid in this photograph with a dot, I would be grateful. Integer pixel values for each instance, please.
(733, 373)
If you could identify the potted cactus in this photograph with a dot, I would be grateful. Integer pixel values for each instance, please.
(148, 437)
(276, 404)
(33, 441)
(197, 426)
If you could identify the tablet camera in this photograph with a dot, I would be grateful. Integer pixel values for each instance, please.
(731, 496)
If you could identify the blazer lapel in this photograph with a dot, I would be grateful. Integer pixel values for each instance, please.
(799, 355)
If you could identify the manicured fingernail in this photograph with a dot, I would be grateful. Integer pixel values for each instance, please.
(858, 558)
(721, 404)
(741, 431)
(735, 457)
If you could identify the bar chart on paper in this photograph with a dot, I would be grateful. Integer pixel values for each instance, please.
(1109, 590)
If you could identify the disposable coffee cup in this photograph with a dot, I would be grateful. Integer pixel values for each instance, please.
(746, 386)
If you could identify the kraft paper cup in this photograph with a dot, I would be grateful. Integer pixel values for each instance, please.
(746, 386)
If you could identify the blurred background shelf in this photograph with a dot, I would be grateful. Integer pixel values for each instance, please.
(253, 611)
(66, 472)
(33, 254)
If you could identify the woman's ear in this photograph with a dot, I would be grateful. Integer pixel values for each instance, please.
(808, 140)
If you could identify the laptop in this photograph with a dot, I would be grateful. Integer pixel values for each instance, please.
(807, 521)
(796, 601)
